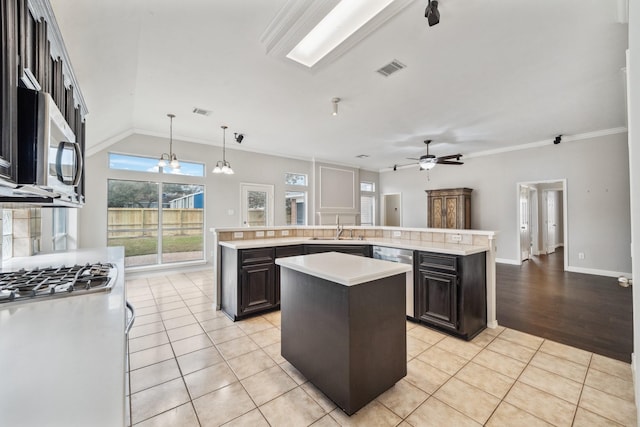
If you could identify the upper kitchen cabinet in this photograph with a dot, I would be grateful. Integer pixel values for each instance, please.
(9, 79)
(449, 208)
(34, 57)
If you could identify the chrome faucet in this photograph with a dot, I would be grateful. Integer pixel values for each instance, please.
(339, 228)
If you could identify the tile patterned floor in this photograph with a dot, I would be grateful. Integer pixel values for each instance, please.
(191, 366)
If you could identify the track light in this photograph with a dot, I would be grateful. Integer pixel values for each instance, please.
(558, 139)
(335, 106)
(395, 168)
(238, 137)
(431, 13)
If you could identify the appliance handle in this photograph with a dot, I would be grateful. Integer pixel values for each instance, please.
(78, 152)
(133, 318)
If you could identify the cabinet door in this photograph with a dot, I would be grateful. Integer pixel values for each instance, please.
(257, 287)
(438, 299)
(8, 89)
(451, 208)
(436, 213)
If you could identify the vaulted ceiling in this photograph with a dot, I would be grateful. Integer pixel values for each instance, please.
(492, 74)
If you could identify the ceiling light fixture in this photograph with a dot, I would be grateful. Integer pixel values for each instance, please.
(338, 25)
(335, 106)
(428, 163)
(222, 166)
(171, 156)
(431, 13)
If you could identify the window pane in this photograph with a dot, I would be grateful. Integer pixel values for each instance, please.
(295, 207)
(368, 186)
(295, 179)
(256, 208)
(133, 220)
(150, 164)
(182, 222)
(367, 210)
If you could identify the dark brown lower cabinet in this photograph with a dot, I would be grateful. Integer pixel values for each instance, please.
(283, 252)
(361, 250)
(451, 292)
(257, 290)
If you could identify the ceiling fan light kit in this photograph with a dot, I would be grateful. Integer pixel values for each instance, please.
(429, 161)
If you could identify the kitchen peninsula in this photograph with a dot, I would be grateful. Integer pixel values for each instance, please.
(247, 277)
(343, 324)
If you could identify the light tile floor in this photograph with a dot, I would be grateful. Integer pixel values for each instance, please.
(191, 366)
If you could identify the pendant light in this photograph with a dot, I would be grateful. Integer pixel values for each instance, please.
(171, 157)
(222, 166)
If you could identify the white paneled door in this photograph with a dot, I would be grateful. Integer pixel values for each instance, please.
(525, 224)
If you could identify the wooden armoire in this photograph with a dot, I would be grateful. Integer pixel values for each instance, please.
(449, 208)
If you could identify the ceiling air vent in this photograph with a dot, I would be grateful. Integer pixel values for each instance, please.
(202, 111)
(391, 68)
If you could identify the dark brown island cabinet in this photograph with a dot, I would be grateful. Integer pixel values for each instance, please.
(451, 292)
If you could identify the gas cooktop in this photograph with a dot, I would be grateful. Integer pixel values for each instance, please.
(51, 282)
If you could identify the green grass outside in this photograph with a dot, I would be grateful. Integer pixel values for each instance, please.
(148, 245)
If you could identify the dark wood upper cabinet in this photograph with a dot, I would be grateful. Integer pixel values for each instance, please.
(9, 89)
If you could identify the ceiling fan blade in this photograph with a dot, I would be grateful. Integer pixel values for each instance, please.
(412, 158)
(449, 162)
(451, 156)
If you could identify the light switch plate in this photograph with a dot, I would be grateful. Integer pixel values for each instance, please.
(271, 233)
(259, 233)
(238, 235)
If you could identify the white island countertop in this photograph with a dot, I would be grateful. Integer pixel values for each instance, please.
(64, 358)
(342, 268)
(416, 245)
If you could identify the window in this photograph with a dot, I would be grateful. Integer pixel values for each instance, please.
(150, 164)
(156, 222)
(295, 179)
(59, 231)
(367, 203)
(295, 207)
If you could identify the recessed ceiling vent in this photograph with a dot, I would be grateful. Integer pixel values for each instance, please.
(391, 68)
(202, 111)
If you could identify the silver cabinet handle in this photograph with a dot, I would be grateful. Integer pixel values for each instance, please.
(132, 319)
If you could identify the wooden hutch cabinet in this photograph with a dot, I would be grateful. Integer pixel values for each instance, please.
(449, 208)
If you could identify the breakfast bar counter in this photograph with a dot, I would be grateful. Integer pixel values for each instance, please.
(343, 324)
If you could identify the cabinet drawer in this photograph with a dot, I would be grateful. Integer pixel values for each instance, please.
(430, 261)
(286, 251)
(253, 256)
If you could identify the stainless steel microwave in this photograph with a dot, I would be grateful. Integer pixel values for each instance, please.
(49, 159)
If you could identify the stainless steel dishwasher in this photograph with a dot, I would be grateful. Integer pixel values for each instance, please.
(404, 256)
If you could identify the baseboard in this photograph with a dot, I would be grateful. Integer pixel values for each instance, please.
(492, 325)
(507, 261)
(597, 272)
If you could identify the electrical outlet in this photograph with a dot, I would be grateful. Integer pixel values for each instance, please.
(271, 233)
(259, 233)
(456, 237)
(397, 234)
(238, 235)
(285, 232)
(580, 255)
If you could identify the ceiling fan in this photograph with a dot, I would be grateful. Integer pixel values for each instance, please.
(428, 161)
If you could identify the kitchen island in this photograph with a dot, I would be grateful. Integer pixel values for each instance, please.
(343, 324)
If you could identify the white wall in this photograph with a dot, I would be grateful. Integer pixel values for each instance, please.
(597, 174)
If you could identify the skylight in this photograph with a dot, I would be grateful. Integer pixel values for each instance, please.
(338, 25)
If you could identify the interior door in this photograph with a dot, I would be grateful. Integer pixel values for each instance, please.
(552, 221)
(525, 224)
(257, 205)
(392, 210)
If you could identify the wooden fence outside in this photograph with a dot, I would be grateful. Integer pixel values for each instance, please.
(143, 222)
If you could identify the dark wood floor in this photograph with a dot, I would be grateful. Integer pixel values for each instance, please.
(589, 312)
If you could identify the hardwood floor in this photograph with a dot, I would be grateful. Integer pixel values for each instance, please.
(585, 311)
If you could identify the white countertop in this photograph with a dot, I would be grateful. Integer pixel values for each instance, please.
(445, 248)
(64, 359)
(342, 268)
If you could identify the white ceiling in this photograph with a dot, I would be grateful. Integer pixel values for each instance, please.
(492, 74)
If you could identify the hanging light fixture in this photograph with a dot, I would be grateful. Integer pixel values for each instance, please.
(171, 157)
(335, 106)
(222, 166)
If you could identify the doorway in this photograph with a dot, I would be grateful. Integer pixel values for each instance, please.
(392, 210)
(541, 218)
(256, 205)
